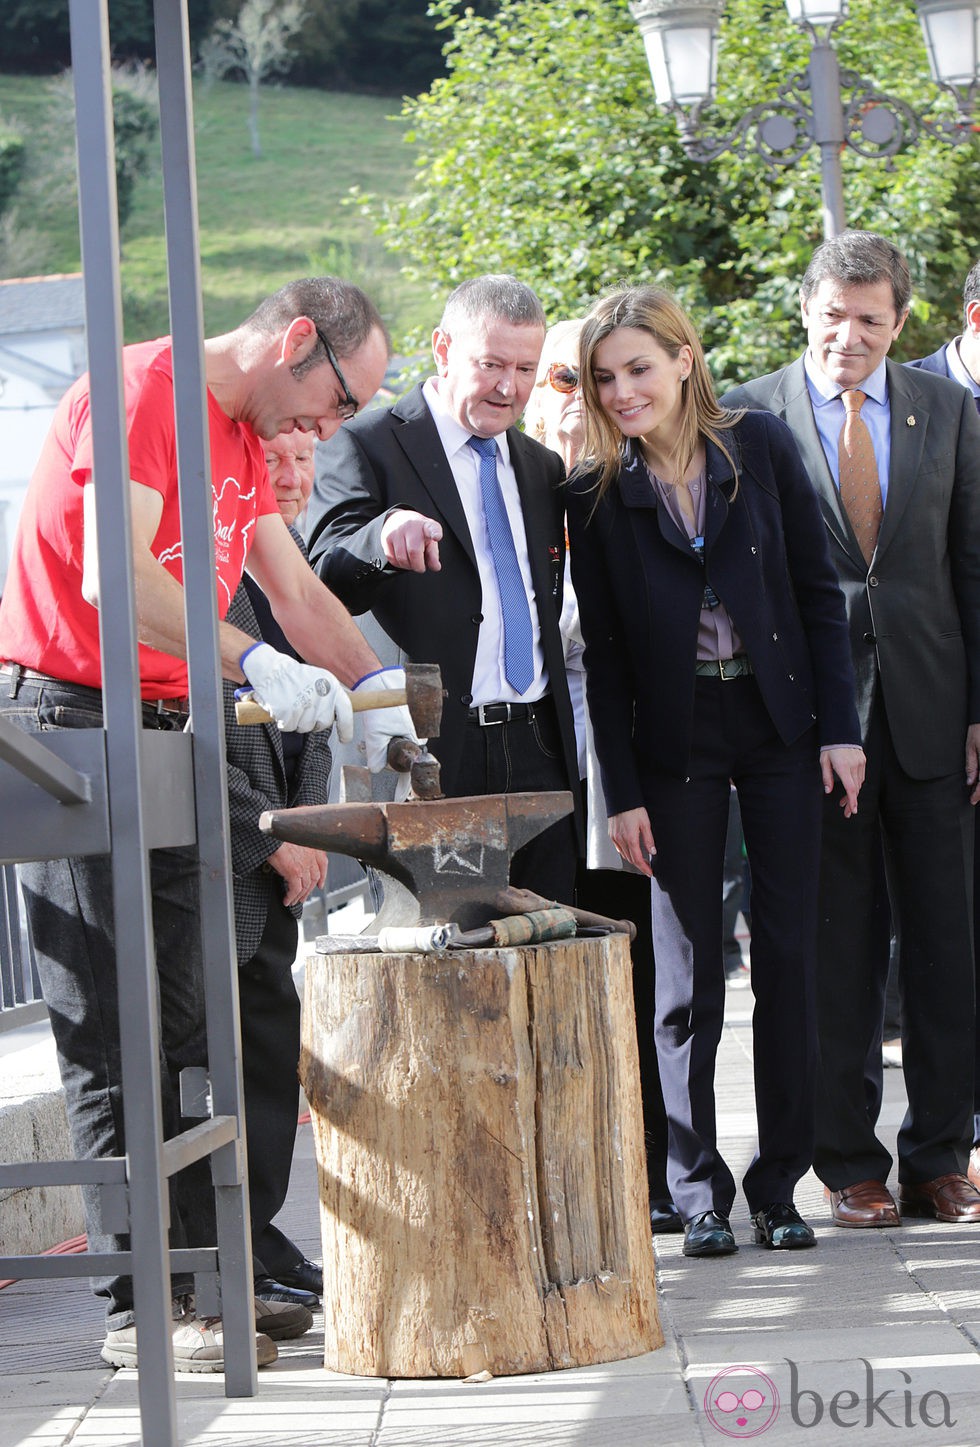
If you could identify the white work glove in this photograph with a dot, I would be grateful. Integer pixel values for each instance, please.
(301, 699)
(381, 725)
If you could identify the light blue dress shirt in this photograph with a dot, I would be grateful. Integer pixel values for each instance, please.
(956, 369)
(828, 413)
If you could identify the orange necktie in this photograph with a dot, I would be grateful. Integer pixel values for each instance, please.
(860, 490)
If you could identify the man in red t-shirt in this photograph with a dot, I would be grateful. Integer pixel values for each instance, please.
(308, 357)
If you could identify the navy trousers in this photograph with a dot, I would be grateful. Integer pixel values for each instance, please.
(780, 793)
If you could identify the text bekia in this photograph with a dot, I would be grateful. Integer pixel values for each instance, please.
(894, 1406)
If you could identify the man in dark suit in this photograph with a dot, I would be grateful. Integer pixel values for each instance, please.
(959, 359)
(446, 522)
(269, 768)
(900, 493)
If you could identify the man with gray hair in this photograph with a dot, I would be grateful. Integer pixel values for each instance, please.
(446, 522)
(894, 456)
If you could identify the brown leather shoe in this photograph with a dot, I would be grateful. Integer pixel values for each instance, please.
(973, 1174)
(947, 1198)
(865, 1204)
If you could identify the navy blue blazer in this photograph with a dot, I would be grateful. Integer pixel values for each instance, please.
(935, 362)
(640, 587)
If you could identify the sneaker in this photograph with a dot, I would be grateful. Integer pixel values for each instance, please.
(281, 1320)
(199, 1346)
(198, 1342)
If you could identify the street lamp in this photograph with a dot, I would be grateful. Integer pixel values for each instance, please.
(681, 39)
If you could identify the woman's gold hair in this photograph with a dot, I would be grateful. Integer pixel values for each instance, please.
(653, 310)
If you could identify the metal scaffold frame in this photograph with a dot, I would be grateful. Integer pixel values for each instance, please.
(124, 791)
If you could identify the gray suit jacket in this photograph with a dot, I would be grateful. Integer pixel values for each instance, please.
(914, 616)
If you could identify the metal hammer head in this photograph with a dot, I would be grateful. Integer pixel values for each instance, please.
(450, 857)
(423, 698)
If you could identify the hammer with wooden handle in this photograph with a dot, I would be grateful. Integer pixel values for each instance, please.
(248, 710)
(514, 899)
(422, 695)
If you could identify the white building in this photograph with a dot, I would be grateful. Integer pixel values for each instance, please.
(42, 351)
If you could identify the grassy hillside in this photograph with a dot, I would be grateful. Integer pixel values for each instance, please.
(262, 221)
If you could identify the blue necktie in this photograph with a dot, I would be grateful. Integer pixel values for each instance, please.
(518, 637)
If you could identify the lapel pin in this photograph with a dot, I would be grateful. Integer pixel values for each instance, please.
(910, 420)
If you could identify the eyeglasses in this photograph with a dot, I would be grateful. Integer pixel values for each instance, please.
(349, 406)
(562, 378)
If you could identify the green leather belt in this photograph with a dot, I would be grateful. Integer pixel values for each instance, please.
(724, 668)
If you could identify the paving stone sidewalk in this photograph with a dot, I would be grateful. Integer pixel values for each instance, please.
(872, 1338)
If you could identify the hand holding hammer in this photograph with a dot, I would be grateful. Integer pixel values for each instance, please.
(417, 687)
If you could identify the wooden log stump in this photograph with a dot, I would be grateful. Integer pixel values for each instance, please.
(479, 1142)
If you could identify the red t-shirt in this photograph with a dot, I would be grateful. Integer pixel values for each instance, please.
(45, 623)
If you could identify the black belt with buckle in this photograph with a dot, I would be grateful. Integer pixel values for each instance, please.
(724, 668)
(500, 713)
(17, 673)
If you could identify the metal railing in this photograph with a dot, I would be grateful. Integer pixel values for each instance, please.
(20, 989)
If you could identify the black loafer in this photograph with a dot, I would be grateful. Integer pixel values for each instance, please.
(268, 1289)
(782, 1228)
(665, 1219)
(708, 1235)
(305, 1274)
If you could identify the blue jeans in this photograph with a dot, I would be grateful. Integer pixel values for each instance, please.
(70, 908)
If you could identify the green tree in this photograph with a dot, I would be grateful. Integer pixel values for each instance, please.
(12, 156)
(543, 152)
(392, 46)
(34, 34)
(257, 44)
(50, 179)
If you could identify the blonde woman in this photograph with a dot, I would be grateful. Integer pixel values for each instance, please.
(554, 416)
(716, 650)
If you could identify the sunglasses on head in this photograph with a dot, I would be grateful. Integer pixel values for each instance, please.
(562, 378)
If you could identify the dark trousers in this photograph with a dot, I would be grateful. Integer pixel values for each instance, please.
(779, 792)
(70, 909)
(734, 893)
(270, 1016)
(525, 756)
(976, 966)
(926, 833)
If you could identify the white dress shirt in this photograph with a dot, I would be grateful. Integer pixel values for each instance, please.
(489, 683)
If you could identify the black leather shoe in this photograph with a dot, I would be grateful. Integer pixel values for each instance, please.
(782, 1228)
(665, 1218)
(708, 1235)
(268, 1289)
(305, 1274)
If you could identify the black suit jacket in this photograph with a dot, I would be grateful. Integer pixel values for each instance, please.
(640, 588)
(394, 458)
(256, 782)
(915, 614)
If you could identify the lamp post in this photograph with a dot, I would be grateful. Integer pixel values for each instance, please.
(681, 39)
